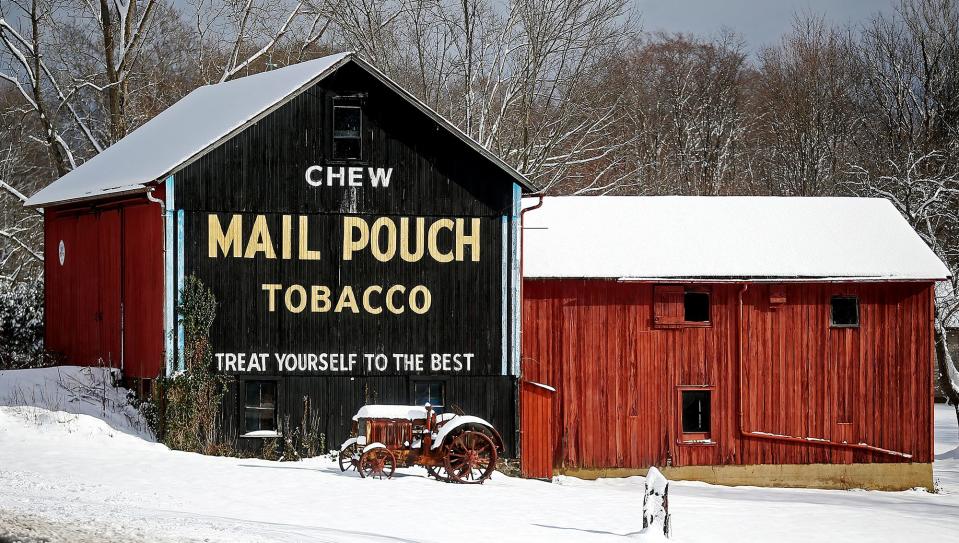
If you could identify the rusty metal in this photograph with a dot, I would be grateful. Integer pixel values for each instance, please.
(380, 445)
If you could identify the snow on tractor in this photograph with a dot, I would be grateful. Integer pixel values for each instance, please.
(453, 448)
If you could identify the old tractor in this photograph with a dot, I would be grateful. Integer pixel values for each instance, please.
(452, 448)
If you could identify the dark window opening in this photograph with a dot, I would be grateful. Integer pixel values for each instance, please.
(695, 411)
(845, 311)
(347, 132)
(696, 307)
(259, 406)
(431, 392)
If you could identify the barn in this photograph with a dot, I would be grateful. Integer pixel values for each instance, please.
(737, 340)
(360, 247)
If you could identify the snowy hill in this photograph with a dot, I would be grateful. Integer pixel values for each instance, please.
(71, 464)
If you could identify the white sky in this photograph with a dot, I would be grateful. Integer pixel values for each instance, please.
(759, 22)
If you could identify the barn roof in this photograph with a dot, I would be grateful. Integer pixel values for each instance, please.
(205, 118)
(676, 237)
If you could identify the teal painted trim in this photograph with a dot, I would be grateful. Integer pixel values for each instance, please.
(168, 277)
(179, 285)
(516, 280)
(505, 290)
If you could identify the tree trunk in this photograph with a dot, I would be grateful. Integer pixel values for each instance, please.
(114, 86)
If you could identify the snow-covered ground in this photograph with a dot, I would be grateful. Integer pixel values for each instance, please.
(97, 472)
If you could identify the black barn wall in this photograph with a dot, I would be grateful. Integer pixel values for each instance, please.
(260, 171)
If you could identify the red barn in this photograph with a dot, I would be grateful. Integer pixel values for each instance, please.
(761, 341)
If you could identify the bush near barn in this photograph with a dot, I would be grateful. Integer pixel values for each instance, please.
(21, 325)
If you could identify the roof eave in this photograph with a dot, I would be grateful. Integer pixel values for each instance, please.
(124, 191)
(756, 279)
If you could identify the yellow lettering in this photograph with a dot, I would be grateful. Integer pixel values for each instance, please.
(298, 307)
(305, 252)
(347, 299)
(379, 253)
(227, 242)
(405, 253)
(287, 237)
(320, 299)
(351, 244)
(260, 239)
(366, 300)
(435, 228)
(473, 239)
(271, 288)
(420, 308)
(389, 299)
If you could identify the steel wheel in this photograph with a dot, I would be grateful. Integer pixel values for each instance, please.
(349, 457)
(439, 472)
(378, 463)
(470, 458)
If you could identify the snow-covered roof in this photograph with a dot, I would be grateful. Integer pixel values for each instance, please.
(677, 237)
(206, 117)
(408, 412)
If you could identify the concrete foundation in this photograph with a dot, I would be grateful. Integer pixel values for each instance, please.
(827, 476)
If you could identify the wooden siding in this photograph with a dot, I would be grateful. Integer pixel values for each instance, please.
(617, 377)
(261, 171)
(536, 425)
(335, 399)
(103, 305)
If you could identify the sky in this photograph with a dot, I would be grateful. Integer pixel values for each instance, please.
(759, 22)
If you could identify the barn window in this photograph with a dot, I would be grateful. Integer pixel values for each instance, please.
(676, 306)
(696, 306)
(347, 129)
(696, 423)
(845, 312)
(259, 408)
(432, 392)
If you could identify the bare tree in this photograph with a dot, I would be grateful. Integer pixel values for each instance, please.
(803, 142)
(908, 146)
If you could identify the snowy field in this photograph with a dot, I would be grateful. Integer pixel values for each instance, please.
(97, 477)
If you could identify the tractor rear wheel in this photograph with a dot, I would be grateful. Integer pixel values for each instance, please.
(470, 458)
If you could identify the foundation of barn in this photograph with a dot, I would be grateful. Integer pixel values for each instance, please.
(893, 476)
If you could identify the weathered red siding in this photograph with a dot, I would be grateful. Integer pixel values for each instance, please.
(104, 304)
(618, 378)
(536, 425)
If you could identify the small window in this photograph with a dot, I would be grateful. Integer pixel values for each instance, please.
(259, 406)
(845, 311)
(696, 413)
(429, 391)
(347, 132)
(696, 306)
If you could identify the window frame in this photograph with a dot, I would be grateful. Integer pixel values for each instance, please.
(666, 295)
(443, 382)
(709, 307)
(350, 100)
(832, 311)
(242, 407)
(694, 438)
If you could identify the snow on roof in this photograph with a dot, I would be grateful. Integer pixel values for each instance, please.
(408, 412)
(188, 127)
(205, 117)
(663, 237)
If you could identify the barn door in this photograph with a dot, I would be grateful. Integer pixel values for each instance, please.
(108, 282)
(536, 423)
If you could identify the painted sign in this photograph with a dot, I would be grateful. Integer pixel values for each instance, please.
(349, 293)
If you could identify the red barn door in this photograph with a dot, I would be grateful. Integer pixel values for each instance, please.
(536, 422)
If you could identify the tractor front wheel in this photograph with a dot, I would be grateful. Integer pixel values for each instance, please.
(378, 463)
